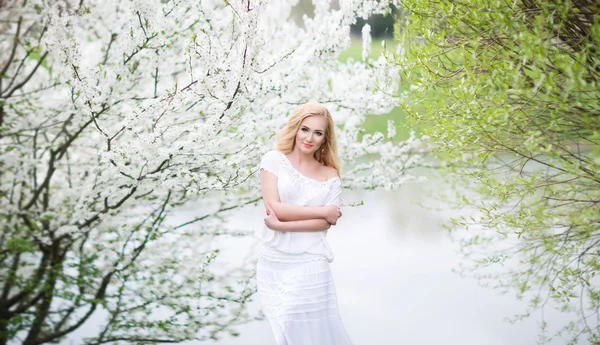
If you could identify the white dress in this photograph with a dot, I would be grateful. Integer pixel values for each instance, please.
(295, 285)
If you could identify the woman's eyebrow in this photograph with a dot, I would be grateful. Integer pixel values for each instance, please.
(316, 130)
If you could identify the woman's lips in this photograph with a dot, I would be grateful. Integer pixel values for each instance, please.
(308, 146)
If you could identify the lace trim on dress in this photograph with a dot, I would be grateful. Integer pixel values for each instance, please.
(268, 170)
(299, 176)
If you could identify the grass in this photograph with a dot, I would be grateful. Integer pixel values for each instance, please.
(355, 49)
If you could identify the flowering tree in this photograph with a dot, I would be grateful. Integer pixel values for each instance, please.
(115, 114)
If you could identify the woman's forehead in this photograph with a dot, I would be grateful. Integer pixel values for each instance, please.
(315, 122)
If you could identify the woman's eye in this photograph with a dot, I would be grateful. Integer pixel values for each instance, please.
(304, 129)
(319, 133)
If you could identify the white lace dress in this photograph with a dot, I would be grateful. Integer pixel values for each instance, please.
(295, 285)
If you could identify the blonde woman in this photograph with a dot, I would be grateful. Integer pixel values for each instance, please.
(301, 187)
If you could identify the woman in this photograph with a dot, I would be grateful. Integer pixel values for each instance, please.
(301, 191)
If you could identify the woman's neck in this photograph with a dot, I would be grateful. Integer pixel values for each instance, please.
(301, 158)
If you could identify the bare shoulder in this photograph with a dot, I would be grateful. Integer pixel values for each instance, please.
(329, 172)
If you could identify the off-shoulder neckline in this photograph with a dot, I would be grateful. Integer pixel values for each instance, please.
(301, 175)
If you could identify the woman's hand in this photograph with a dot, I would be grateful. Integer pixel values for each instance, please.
(332, 214)
(271, 219)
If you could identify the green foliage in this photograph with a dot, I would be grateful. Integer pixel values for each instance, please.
(516, 117)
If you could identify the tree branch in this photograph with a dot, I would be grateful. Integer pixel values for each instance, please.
(21, 84)
(12, 53)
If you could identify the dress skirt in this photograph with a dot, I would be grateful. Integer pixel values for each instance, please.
(298, 297)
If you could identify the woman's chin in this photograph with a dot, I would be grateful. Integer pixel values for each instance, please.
(308, 151)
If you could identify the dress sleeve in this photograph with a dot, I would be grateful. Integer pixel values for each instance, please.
(270, 163)
(335, 193)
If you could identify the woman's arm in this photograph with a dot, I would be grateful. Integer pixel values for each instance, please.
(286, 212)
(306, 225)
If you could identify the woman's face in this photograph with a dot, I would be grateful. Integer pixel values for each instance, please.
(311, 134)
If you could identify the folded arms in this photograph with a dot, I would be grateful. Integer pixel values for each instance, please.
(285, 217)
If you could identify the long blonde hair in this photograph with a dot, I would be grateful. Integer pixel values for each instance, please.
(286, 139)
